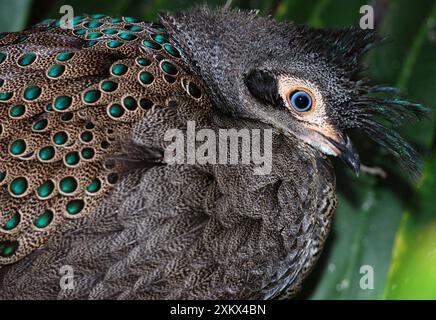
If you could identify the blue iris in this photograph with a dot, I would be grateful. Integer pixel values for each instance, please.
(301, 101)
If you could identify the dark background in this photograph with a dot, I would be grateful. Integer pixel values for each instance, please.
(387, 223)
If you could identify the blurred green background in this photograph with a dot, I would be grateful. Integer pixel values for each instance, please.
(388, 224)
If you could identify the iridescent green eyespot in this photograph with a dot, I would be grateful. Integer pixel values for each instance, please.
(98, 16)
(46, 153)
(119, 69)
(171, 50)
(32, 93)
(79, 32)
(66, 116)
(109, 31)
(169, 79)
(60, 138)
(44, 219)
(130, 103)
(8, 248)
(104, 145)
(45, 189)
(127, 36)
(159, 57)
(12, 223)
(40, 125)
(3, 57)
(78, 19)
(133, 28)
(116, 110)
(94, 35)
(109, 86)
(94, 186)
(27, 59)
(146, 77)
(87, 153)
(151, 44)
(56, 70)
(114, 44)
(68, 185)
(168, 68)
(72, 158)
(143, 62)
(93, 24)
(116, 20)
(158, 26)
(89, 126)
(62, 102)
(86, 136)
(112, 178)
(64, 56)
(4, 96)
(159, 38)
(2, 176)
(75, 206)
(18, 147)
(131, 19)
(19, 186)
(17, 111)
(92, 96)
(194, 91)
(90, 43)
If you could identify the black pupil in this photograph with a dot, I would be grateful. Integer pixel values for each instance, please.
(302, 101)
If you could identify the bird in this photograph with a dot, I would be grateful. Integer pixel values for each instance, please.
(84, 182)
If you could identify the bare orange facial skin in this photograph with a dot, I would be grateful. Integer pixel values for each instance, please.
(288, 85)
(315, 119)
(317, 114)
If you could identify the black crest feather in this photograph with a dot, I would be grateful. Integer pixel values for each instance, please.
(377, 117)
(343, 47)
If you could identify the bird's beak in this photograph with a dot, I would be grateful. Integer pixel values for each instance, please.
(334, 143)
(346, 152)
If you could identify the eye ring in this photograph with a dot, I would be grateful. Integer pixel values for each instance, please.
(301, 100)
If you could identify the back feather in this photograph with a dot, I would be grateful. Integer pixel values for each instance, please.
(68, 99)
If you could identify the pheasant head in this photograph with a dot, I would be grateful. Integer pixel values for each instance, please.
(303, 81)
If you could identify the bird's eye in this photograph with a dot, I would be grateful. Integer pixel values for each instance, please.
(301, 101)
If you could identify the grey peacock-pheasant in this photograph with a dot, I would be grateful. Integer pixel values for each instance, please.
(83, 182)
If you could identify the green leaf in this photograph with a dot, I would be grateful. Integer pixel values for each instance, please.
(320, 13)
(408, 59)
(294, 10)
(413, 271)
(362, 236)
(412, 274)
(13, 15)
(402, 25)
